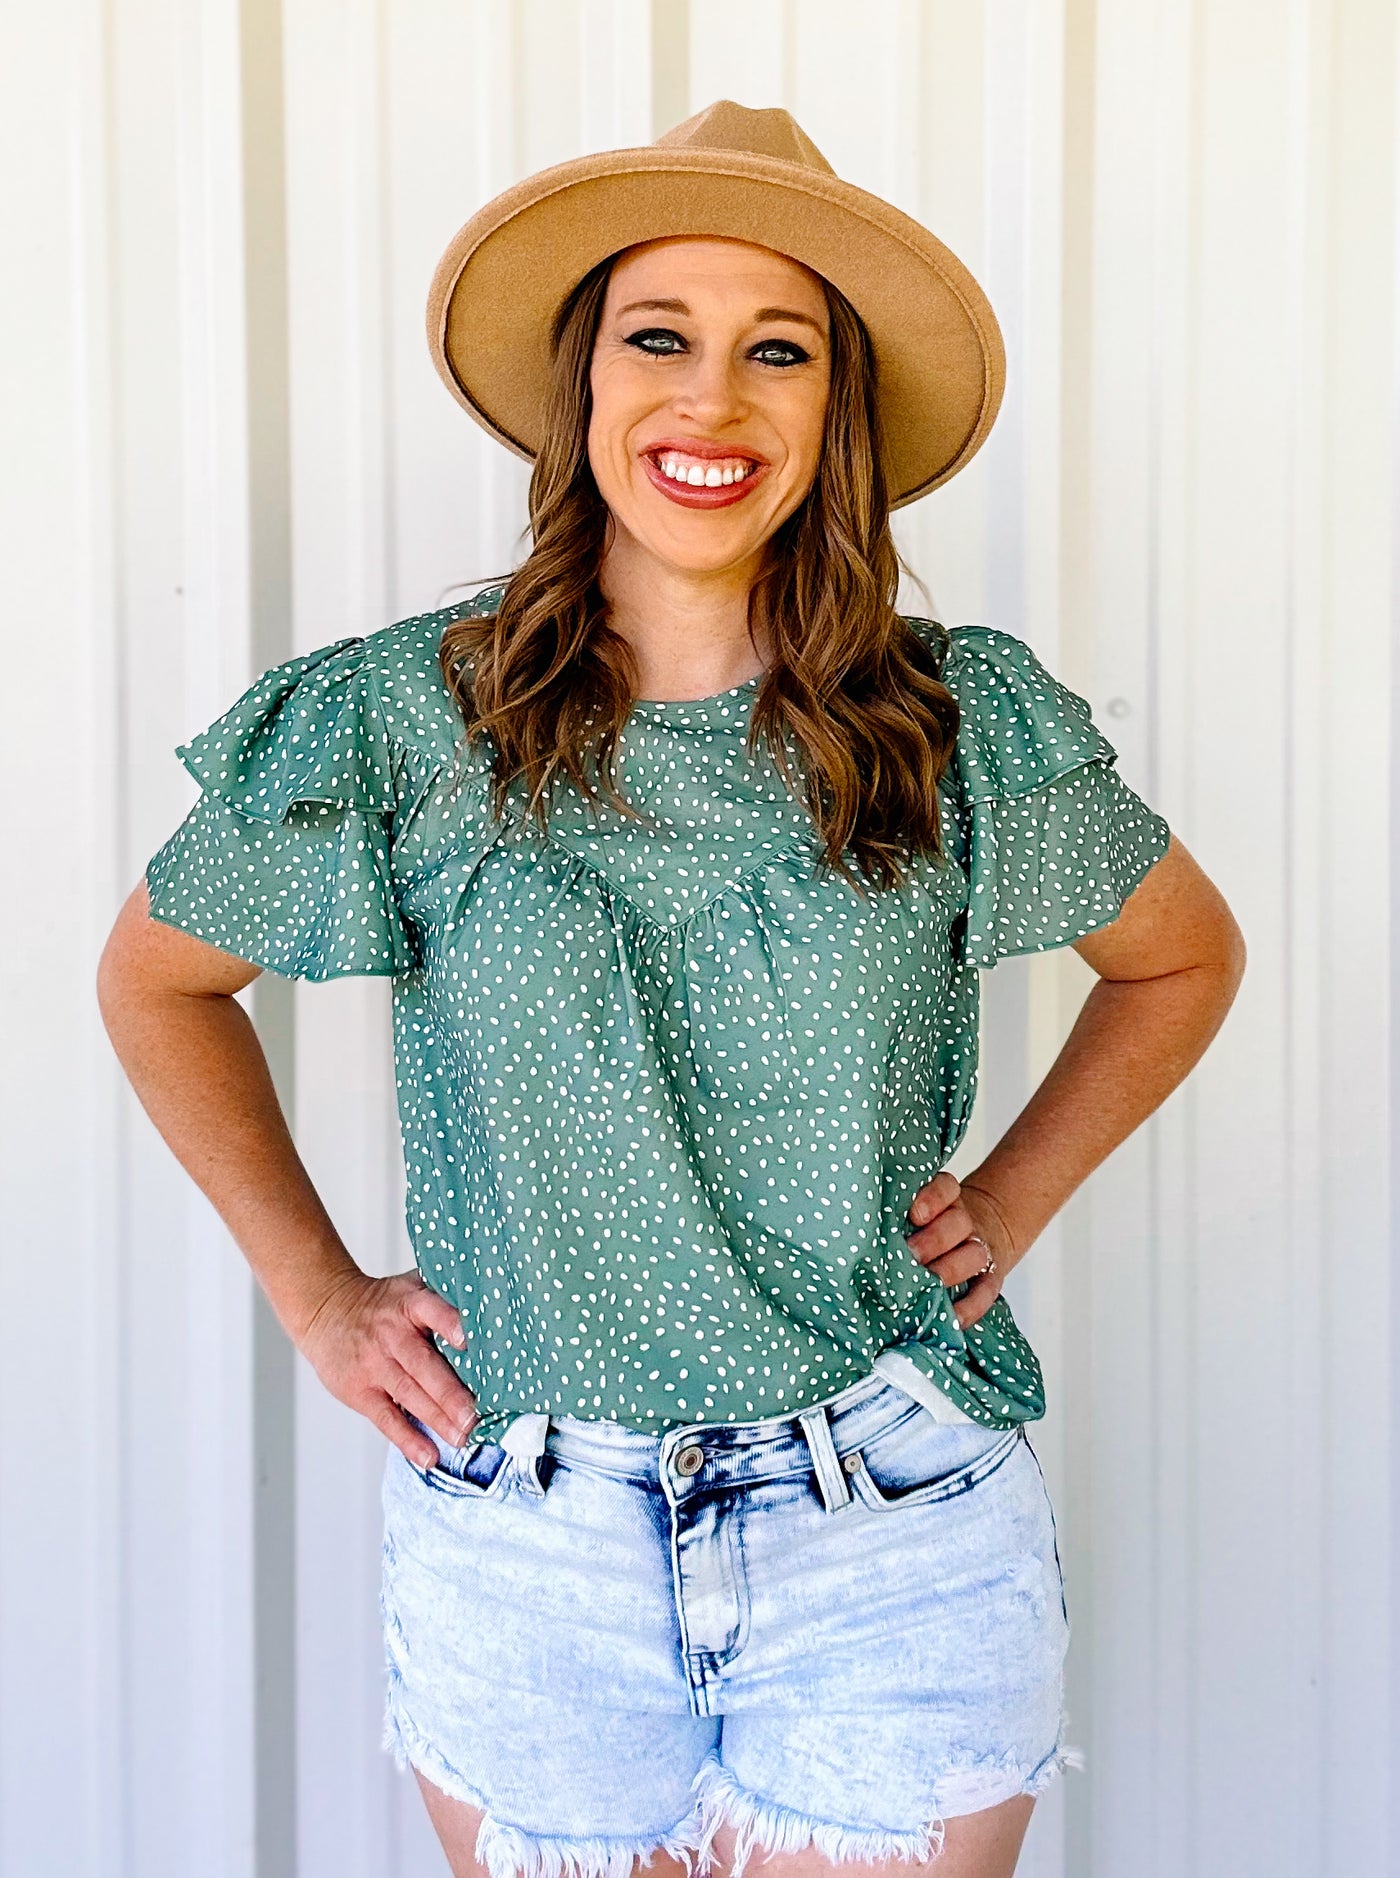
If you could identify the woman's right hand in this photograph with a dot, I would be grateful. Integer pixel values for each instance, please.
(368, 1344)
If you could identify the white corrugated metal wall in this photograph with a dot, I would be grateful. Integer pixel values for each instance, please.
(226, 444)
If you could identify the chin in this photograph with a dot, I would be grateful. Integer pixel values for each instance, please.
(700, 544)
(700, 557)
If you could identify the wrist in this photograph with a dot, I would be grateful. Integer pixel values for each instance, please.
(315, 1292)
(1013, 1236)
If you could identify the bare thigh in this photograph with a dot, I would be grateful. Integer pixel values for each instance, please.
(975, 1845)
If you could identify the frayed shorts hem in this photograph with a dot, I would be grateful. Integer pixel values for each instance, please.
(759, 1825)
(766, 1826)
(509, 1852)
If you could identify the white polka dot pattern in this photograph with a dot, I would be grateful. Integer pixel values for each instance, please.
(666, 1090)
(1057, 839)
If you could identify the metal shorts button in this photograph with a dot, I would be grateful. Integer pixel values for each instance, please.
(852, 1462)
(689, 1460)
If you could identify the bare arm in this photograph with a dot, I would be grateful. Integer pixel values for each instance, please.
(195, 1062)
(1169, 967)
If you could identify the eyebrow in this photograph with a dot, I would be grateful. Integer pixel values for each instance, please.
(763, 315)
(766, 313)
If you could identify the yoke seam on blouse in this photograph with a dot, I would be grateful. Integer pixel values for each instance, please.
(676, 925)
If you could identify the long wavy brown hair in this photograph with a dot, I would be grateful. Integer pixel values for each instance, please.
(851, 707)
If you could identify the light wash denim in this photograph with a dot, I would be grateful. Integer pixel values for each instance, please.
(835, 1628)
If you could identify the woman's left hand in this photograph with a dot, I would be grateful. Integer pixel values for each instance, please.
(956, 1230)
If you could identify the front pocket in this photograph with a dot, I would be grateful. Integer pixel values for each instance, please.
(920, 1460)
(483, 1468)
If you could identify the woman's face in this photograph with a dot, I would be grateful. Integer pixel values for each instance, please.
(709, 378)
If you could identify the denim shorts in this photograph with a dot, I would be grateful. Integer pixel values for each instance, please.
(832, 1629)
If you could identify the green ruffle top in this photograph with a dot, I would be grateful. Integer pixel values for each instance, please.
(666, 1093)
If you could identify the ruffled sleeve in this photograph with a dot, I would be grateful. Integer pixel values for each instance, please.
(1056, 839)
(285, 859)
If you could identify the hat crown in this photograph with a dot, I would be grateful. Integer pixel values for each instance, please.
(730, 126)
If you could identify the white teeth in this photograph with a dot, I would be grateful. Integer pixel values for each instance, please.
(702, 475)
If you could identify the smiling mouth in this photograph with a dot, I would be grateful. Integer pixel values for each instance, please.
(703, 478)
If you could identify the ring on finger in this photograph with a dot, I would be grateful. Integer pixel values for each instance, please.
(975, 1238)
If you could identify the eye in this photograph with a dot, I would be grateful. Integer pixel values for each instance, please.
(779, 352)
(657, 342)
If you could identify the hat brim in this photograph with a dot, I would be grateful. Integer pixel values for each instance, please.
(939, 354)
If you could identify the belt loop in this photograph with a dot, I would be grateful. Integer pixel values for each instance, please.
(525, 1441)
(831, 1478)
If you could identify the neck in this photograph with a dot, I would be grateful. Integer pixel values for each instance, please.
(689, 632)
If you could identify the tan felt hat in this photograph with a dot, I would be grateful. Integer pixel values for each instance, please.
(755, 176)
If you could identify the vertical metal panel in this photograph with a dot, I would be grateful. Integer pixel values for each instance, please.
(148, 454)
(1390, 1659)
(1351, 941)
(670, 64)
(1065, 469)
(126, 1321)
(1304, 632)
(212, 1706)
(739, 55)
(1112, 1351)
(60, 1554)
(1236, 543)
(615, 67)
(268, 421)
(1218, 456)
(943, 534)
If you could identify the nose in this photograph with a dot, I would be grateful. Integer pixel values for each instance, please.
(711, 395)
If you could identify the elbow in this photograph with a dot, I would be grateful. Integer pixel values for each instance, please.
(1234, 956)
(117, 968)
(1240, 956)
(111, 979)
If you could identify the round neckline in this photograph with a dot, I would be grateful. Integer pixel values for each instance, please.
(719, 709)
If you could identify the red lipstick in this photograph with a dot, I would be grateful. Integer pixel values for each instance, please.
(699, 495)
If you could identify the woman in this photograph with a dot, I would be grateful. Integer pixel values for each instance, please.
(711, 1520)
